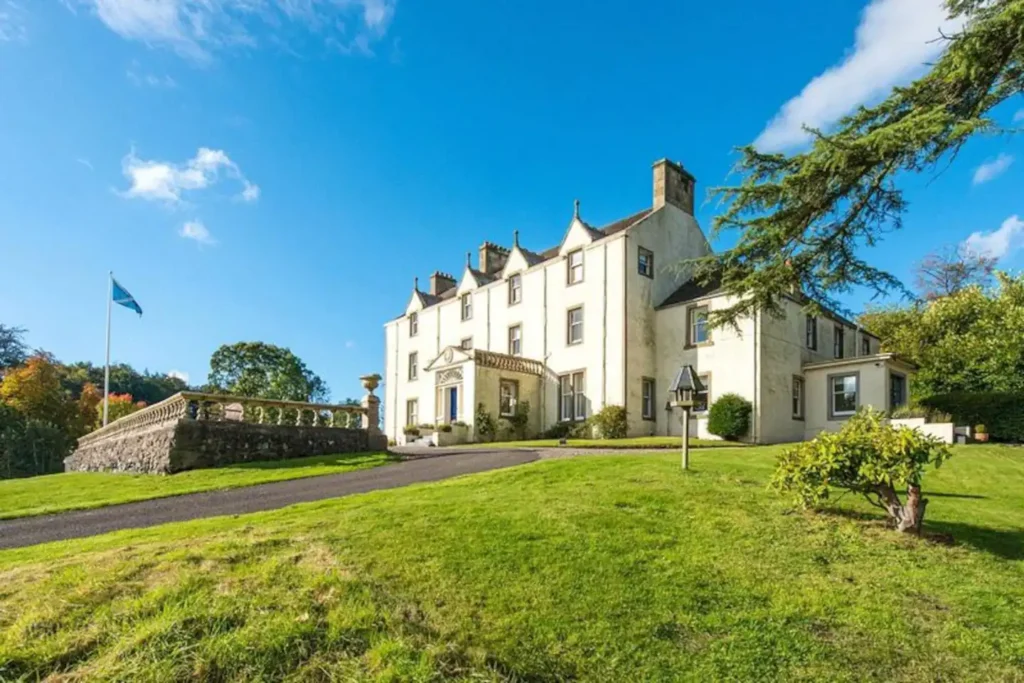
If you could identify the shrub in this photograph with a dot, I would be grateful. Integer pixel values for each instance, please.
(427, 427)
(445, 428)
(909, 411)
(459, 423)
(411, 431)
(981, 429)
(485, 426)
(559, 430)
(729, 417)
(867, 456)
(610, 422)
(519, 421)
(1001, 412)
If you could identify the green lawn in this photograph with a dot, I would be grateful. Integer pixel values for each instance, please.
(638, 442)
(602, 568)
(81, 490)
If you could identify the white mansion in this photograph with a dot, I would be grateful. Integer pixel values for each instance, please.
(603, 318)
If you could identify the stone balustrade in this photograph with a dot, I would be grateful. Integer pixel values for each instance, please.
(193, 429)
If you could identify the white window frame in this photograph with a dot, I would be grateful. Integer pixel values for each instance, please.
(515, 289)
(571, 276)
(464, 346)
(834, 414)
(515, 342)
(705, 379)
(691, 331)
(412, 412)
(572, 391)
(414, 366)
(414, 324)
(467, 306)
(648, 269)
(647, 409)
(507, 388)
(570, 325)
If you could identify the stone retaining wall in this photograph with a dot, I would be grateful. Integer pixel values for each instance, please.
(190, 444)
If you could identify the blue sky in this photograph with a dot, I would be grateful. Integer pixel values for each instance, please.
(281, 170)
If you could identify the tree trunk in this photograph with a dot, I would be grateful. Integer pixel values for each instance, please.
(906, 517)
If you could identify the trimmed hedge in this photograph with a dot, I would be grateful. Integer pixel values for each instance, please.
(729, 417)
(1001, 412)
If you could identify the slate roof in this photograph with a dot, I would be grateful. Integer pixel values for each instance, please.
(690, 290)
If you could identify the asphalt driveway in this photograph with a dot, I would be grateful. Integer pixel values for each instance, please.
(438, 465)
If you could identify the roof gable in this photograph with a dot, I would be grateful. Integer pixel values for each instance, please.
(450, 355)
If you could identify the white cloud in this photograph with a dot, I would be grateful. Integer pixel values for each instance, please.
(250, 192)
(1019, 116)
(894, 41)
(138, 77)
(165, 181)
(13, 18)
(992, 169)
(197, 28)
(998, 243)
(350, 344)
(195, 230)
(85, 162)
(179, 374)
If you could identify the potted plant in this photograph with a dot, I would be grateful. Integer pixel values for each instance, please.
(980, 433)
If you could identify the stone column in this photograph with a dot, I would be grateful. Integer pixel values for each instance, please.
(371, 416)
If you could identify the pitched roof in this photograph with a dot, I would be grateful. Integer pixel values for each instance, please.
(534, 258)
(690, 290)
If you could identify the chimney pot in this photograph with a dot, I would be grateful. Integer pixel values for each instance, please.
(673, 185)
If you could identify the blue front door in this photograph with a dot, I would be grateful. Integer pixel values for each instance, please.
(453, 404)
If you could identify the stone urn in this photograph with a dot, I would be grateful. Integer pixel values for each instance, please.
(370, 382)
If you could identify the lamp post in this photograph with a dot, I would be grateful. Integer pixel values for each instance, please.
(684, 390)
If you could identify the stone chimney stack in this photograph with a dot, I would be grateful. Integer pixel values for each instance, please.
(673, 185)
(441, 282)
(492, 258)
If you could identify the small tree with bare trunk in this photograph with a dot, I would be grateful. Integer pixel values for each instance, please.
(867, 456)
(951, 269)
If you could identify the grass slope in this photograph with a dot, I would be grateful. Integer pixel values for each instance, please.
(637, 442)
(82, 490)
(598, 568)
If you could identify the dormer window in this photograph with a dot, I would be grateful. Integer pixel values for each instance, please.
(574, 267)
(515, 289)
(414, 324)
(467, 306)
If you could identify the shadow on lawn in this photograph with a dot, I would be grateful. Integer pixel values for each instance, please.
(1008, 544)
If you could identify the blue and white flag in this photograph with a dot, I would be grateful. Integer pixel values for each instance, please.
(121, 296)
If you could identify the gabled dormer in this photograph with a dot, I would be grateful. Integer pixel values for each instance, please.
(519, 259)
(578, 235)
(418, 301)
(472, 278)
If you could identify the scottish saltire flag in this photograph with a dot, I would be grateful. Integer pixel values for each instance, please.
(121, 296)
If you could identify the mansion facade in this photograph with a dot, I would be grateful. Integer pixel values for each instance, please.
(607, 317)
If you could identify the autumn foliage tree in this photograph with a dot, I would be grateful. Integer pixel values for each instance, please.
(120, 405)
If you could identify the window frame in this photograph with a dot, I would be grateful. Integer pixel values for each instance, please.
(798, 407)
(576, 395)
(413, 371)
(466, 306)
(462, 344)
(569, 325)
(648, 410)
(906, 389)
(569, 267)
(412, 417)
(838, 342)
(514, 397)
(705, 379)
(865, 345)
(414, 324)
(811, 332)
(834, 416)
(645, 272)
(690, 314)
(519, 328)
(515, 285)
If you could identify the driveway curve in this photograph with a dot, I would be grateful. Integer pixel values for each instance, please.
(438, 465)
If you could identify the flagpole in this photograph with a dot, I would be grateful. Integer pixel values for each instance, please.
(106, 366)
